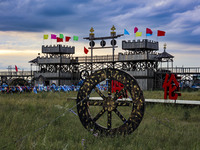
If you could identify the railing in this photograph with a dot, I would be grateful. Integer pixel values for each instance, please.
(183, 70)
(122, 57)
(14, 73)
(103, 58)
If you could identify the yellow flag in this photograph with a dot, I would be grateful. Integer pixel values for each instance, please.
(45, 36)
(138, 34)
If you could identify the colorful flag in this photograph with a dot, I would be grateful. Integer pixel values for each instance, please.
(126, 32)
(59, 39)
(61, 36)
(53, 36)
(135, 29)
(16, 68)
(85, 50)
(148, 34)
(160, 33)
(75, 38)
(67, 38)
(148, 31)
(138, 34)
(45, 36)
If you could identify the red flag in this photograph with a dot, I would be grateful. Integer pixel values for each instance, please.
(16, 68)
(59, 39)
(85, 50)
(67, 38)
(148, 31)
(160, 33)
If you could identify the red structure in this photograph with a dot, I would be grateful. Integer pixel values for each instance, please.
(118, 86)
(170, 86)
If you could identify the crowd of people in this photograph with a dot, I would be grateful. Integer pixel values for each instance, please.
(39, 88)
(4, 88)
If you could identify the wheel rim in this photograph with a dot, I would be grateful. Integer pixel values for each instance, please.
(110, 103)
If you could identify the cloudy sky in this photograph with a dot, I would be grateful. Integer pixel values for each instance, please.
(23, 23)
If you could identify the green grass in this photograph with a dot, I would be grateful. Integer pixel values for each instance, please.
(163, 126)
(185, 95)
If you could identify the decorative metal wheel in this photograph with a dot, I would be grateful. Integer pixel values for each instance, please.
(18, 81)
(111, 114)
(3, 79)
(84, 74)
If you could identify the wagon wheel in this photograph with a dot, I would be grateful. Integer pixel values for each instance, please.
(109, 107)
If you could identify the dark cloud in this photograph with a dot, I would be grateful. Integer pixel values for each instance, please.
(78, 16)
(37, 15)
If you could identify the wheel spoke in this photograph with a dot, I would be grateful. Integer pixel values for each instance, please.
(109, 87)
(124, 103)
(118, 94)
(109, 119)
(120, 115)
(99, 115)
(99, 92)
(95, 102)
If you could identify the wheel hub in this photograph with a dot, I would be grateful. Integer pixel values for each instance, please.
(109, 104)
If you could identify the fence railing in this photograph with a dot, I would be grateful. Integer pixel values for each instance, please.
(184, 70)
(103, 58)
(14, 73)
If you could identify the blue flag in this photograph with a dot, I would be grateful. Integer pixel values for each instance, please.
(126, 32)
(148, 34)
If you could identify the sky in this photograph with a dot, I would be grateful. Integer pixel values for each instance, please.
(24, 22)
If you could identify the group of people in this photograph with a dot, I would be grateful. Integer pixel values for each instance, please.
(4, 88)
(38, 88)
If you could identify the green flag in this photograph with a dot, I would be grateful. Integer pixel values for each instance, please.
(61, 36)
(75, 38)
(138, 34)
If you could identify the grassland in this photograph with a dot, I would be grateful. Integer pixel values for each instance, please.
(30, 121)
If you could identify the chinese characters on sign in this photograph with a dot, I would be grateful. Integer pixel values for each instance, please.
(171, 86)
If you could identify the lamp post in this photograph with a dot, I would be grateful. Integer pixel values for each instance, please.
(91, 37)
(113, 42)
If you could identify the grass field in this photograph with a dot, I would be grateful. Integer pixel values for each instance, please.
(30, 121)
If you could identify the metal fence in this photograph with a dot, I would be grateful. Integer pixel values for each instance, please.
(183, 70)
(14, 73)
(103, 58)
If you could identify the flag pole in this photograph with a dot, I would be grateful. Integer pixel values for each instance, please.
(135, 36)
(157, 36)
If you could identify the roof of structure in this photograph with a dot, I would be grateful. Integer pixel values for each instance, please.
(164, 55)
(34, 61)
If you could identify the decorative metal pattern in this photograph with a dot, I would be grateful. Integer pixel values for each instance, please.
(51, 68)
(110, 103)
